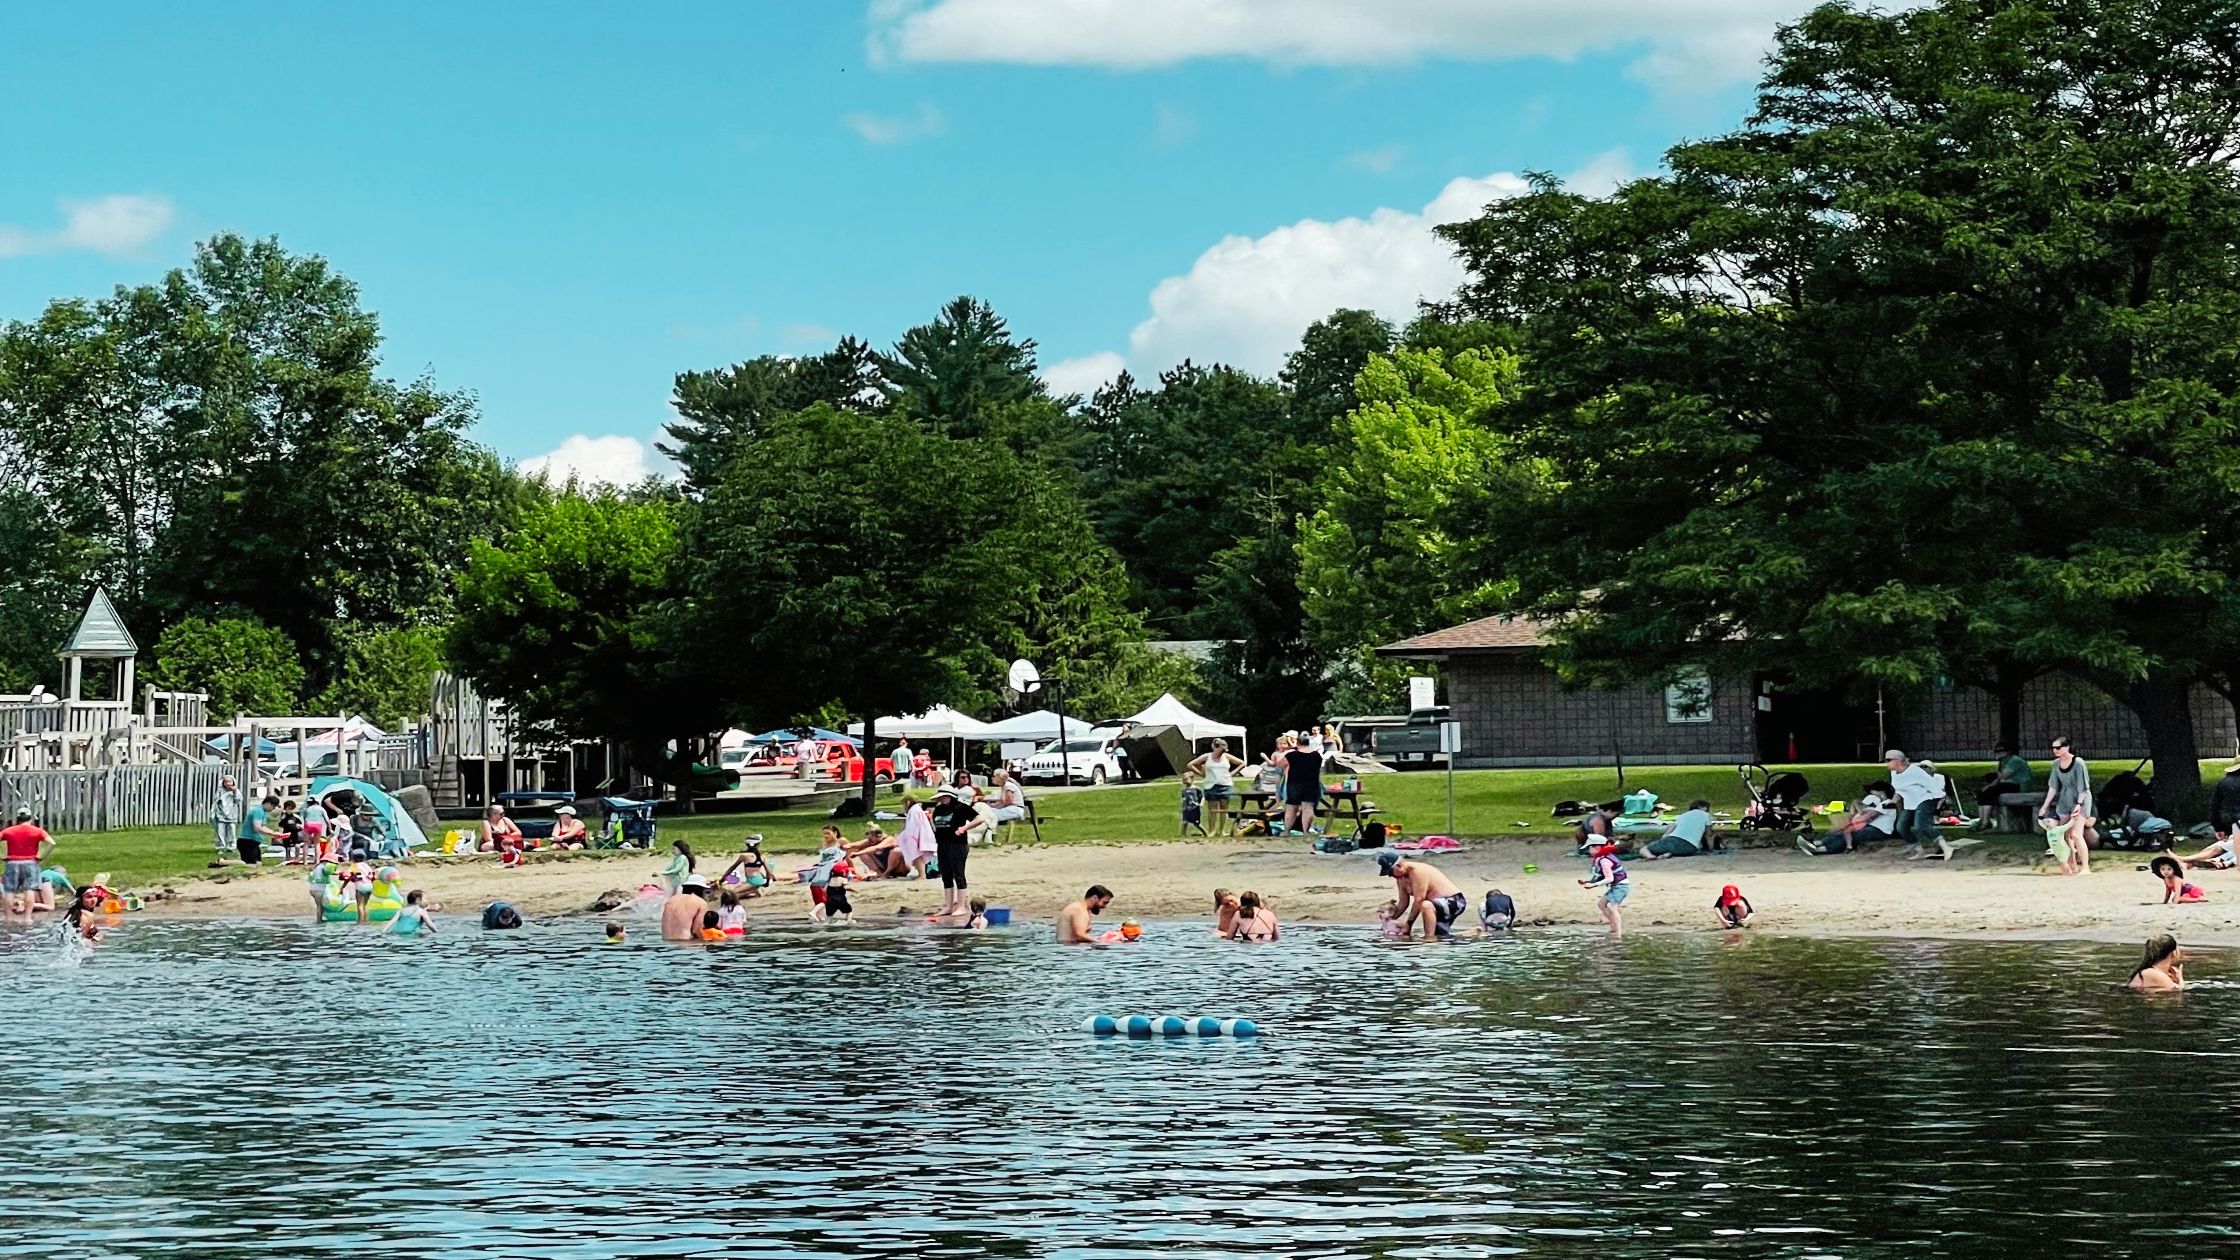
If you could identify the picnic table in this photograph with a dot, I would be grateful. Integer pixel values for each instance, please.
(1343, 805)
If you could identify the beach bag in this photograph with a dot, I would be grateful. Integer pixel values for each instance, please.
(1334, 844)
(1372, 835)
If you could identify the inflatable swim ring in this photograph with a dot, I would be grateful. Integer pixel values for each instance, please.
(342, 907)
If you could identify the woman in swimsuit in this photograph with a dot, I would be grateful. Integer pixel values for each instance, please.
(1253, 922)
(2163, 969)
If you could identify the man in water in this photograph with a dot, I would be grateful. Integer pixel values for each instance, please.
(1075, 922)
(27, 844)
(680, 914)
(1425, 893)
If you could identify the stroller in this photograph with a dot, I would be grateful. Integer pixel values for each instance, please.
(630, 824)
(1776, 800)
(2127, 818)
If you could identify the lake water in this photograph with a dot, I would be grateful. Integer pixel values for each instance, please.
(222, 1090)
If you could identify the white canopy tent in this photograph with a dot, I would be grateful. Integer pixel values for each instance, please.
(1038, 727)
(938, 722)
(1168, 711)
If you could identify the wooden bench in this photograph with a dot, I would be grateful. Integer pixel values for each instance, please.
(2017, 812)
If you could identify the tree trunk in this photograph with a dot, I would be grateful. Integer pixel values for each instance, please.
(2010, 714)
(870, 764)
(2164, 703)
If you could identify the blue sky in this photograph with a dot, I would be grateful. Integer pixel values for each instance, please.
(558, 207)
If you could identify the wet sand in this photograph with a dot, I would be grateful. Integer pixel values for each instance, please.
(1984, 893)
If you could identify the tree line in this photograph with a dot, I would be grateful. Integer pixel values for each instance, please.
(1923, 372)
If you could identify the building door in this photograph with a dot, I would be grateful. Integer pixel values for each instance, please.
(1813, 726)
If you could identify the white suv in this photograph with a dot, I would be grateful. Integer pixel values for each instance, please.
(1089, 757)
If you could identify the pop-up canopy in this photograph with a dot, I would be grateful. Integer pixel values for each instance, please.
(938, 722)
(1168, 711)
(1035, 728)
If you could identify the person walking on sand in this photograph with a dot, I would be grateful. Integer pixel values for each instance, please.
(1425, 894)
(225, 816)
(1217, 770)
(1610, 876)
(680, 914)
(1076, 923)
(2067, 808)
(27, 845)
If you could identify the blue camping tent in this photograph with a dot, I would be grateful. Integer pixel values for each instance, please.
(786, 735)
(392, 815)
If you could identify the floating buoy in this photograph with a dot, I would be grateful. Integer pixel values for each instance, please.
(1145, 1027)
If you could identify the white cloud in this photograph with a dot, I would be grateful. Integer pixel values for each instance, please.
(896, 129)
(616, 460)
(1246, 300)
(1082, 375)
(113, 225)
(1682, 42)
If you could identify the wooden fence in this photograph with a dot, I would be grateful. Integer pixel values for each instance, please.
(115, 797)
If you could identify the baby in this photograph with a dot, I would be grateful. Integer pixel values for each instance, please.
(979, 920)
(1388, 920)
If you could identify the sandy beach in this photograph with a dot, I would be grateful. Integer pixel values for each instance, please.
(1983, 893)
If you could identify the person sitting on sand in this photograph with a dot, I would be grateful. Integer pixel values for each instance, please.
(1429, 896)
(568, 831)
(1254, 922)
(1076, 923)
(750, 871)
(1498, 914)
(499, 833)
(1732, 908)
(680, 914)
(2221, 855)
(2162, 969)
(1873, 818)
(1686, 837)
(2172, 873)
(1224, 913)
(876, 856)
(1598, 827)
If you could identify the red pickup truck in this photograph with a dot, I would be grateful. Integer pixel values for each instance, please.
(840, 762)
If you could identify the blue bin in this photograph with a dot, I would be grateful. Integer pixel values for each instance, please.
(999, 916)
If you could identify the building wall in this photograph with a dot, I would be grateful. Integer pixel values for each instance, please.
(1964, 721)
(1515, 713)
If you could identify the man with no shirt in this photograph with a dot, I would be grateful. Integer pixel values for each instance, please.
(1425, 893)
(1076, 924)
(680, 914)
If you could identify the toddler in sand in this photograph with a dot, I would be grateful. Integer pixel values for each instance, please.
(1732, 907)
(2172, 873)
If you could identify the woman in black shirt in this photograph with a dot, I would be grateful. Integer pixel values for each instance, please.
(951, 817)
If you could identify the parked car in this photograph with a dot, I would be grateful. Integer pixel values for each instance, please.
(1089, 758)
(840, 762)
(1415, 744)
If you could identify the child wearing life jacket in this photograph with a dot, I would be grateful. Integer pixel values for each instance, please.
(709, 928)
(1610, 876)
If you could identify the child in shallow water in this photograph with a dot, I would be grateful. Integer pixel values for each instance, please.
(708, 929)
(979, 920)
(1388, 921)
(731, 916)
(1499, 913)
(2174, 886)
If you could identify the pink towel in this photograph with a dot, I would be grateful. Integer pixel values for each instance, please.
(916, 838)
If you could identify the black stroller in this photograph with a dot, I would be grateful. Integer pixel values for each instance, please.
(2127, 819)
(1776, 800)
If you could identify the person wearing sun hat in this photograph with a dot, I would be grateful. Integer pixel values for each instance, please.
(952, 818)
(568, 831)
(680, 914)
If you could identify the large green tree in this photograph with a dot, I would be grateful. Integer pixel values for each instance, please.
(224, 441)
(874, 561)
(720, 411)
(960, 372)
(245, 666)
(574, 618)
(1379, 556)
(387, 676)
(1929, 364)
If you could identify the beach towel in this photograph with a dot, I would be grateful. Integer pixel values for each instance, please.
(915, 840)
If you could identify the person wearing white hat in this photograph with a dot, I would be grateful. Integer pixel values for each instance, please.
(568, 831)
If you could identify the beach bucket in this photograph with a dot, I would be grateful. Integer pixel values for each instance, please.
(999, 916)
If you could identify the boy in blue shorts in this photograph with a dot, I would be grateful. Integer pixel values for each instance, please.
(1610, 876)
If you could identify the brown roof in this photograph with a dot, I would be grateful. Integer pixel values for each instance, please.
(1487, 634)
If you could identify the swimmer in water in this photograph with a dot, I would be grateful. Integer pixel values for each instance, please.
(616, 934)
(709, 927)
(2162, 969)
(1076, 924)
(413, 919)
(2172, 873)
(79, 916)
(979, 920)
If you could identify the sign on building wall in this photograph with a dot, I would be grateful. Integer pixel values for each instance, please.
(1420, 693)
(1687, 698)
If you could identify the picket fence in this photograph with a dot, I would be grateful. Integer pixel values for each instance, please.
(112, 798)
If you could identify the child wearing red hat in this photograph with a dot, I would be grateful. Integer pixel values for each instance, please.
(1732, 907)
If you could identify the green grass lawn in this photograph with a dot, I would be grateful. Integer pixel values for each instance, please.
(1486, 803)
